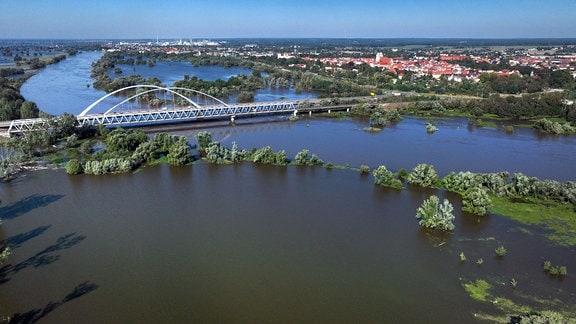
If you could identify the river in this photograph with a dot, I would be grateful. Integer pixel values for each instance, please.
(67, 86)
(248, 243)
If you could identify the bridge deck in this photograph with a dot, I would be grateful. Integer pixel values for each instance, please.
(170, 115)
(173, 115)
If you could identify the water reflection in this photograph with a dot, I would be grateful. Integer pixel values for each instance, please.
(34, 315)
(42, 258)
(26, 205)
(16, 241)
(256, 243)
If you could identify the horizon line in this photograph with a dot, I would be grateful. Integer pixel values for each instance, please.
(281, 37)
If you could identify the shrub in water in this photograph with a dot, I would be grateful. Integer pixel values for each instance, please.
(73, 167)
(432, 214)
(423, 175)
(500, 251)
(476, 201)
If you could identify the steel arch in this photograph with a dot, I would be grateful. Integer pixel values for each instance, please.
(171, 90)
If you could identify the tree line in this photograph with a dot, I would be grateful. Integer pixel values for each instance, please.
(243, 85)
(126, 150)
(12, 103)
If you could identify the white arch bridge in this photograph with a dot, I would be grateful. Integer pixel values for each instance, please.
(141, 105)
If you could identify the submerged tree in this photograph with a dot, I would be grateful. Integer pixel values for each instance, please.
(385, 177)
(204, 139)
(476, 201)
(179, 153)
(304, 158)
(432, 214)
(423, 175)
(265, 155)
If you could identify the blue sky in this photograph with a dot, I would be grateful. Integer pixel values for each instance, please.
(106, 19)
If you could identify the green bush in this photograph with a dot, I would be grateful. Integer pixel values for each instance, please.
(73, 167)
(476, 201)
(500, 251)
(364, 169)
(111, 165)
(548, 317)
(402, 174)
(459, 182)
(204, 139)
(430, 128)
(216, 153)
(122, 142)
(385, 177)
(554, 271)
(432, 214)
(381, 117)
(423, 175)
(4, 254)
(145, 152)
(304, 158)
(179, 153)
(72, 141)
(87, 147)
(551, 127)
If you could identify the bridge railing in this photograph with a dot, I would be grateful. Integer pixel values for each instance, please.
(165, 115)
(175, 115)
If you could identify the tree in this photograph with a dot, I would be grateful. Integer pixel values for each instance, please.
(73, 167)
(523, 185)
(219, 154)
(9, 108)
(280, 158)
(163, 141)
(204, 139)
(245, 96)
(10, 158)
(121, 142)
(562, 79)
(145, 152)
(29, 110)
(476, 201)
(433, 215)
(64, 125)
(304, 158)
(179, 153)
(423, 175)
(539, 317)
(264, 155)
(459, 182)
(385, 177)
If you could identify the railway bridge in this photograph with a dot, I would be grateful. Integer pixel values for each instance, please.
(142, 105)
